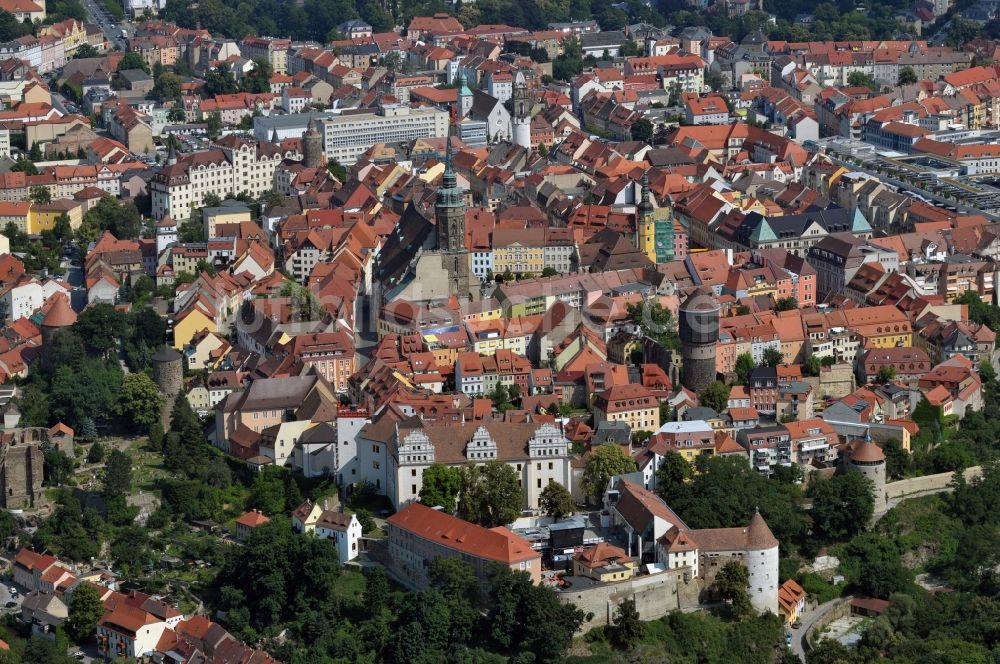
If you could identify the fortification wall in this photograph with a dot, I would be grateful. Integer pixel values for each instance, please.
(655, 595)
(937, 482)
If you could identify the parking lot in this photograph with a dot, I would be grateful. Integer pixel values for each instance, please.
(6, 598)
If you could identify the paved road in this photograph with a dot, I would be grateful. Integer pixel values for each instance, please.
(111, 29)
(809, 618)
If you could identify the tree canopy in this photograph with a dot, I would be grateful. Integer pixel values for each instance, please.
(490, 495)
(605, 462)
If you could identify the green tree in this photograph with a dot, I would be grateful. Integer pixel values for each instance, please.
(490, 495)
(772, 357)
(140, 402)
(117, 477)
(907, 76)
(85, 609)
(656, 322)
(63, 230)
(133, 60)
(886, 374)
(258, 80)
(99, 327)
(214, 127)
(716, 396)
(842, 505)
(556, 500)
(786, 304)
(376, 596)
(714, 80)
(744, 365)
(731, 583)
(35, 153)
(219, 81)
(85, 51)
(57, 467)
(96, 453)
(629, 49)
(25, 166)
(859, 79)
(167, 86)
(627, 626)
(336, 170)
(873, 565)
(605, 462)
(642, 130)
(672, 475)
(530, 616)
(549, 272)
(960, 32)
(440, 486)
(40, 195)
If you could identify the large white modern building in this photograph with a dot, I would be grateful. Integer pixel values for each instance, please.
(349, 135)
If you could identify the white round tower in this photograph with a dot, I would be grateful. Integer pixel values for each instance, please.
(868, 459)
(762, 565)
(522, 113)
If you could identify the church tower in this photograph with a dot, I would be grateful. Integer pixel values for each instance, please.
(449, 213)
(522, 113)
(645, 223)
(312, 146)
(464, 97)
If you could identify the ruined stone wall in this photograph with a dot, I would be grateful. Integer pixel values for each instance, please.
(21, 474)
(655, 595)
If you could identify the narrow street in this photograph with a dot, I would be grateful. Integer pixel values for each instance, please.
(809, 618)
(98, 15)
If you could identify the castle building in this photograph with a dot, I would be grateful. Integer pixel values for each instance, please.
(699, 333)
(232, 166)
(393, 455)
(22, 461)
(655, 533)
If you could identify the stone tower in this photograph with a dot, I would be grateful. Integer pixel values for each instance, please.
(449, 214)
(645, 223)
(312, 146)
(762, 565)
(60, 315)
(868, 459)
(168, 374)
(699, 332)
(522, 113)
(168, 370)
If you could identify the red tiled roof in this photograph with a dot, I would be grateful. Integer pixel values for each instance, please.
(495, 544)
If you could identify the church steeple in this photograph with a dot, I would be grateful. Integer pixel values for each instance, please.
(449, 208)
(645, 204)
(449, 214)
(645, 221)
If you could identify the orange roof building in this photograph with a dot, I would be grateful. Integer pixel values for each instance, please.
(418, 534)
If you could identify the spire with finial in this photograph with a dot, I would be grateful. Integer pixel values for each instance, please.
(645, 202)
(171, 153)
(450, 180)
